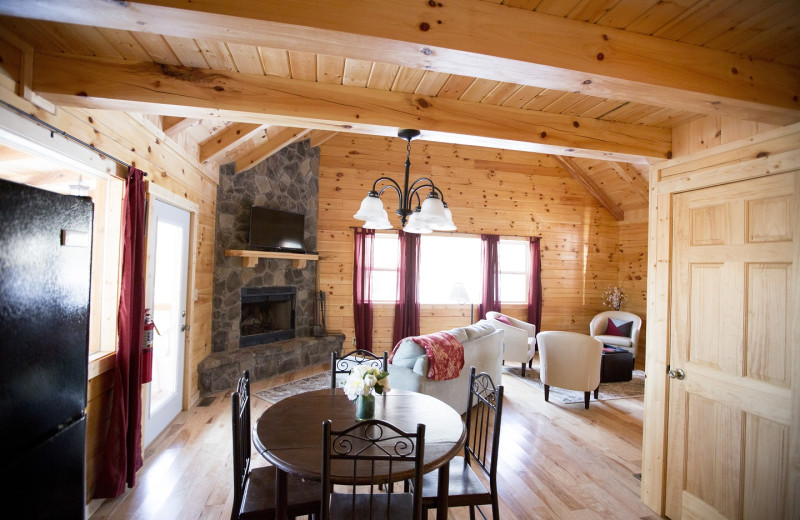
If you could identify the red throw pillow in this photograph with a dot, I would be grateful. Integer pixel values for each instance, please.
(503, 319)
(619, 328)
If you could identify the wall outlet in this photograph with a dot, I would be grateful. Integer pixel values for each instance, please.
(354, 342)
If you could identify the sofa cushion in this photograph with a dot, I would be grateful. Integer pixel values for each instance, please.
(617, 327)
(407, 353)
(459, 333)
(479, 330)
(502, 318)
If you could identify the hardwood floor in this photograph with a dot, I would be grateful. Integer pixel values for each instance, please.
(556, 461)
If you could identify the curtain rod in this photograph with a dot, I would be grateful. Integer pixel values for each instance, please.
(54, 130)
(460, 234)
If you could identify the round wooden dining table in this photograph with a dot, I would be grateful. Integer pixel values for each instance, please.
(289, 434)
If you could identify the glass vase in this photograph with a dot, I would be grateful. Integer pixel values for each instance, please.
(365, 407)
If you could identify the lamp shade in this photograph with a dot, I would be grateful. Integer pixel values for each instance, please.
(378, 224)
(371, 208)
(415, 225)
(449, 225)
(459, 293)
(432, 211)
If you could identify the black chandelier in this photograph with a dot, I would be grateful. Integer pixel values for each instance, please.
(432, 214)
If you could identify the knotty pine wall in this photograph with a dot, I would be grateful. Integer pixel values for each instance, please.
(135, 140)
(489, 191)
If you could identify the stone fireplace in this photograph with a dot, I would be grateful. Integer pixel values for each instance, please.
(257, 323)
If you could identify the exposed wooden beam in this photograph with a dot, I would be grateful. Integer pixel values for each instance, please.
(275, 144)
(631, 176)
(468, 37)
(581, 176)
(203, 93)
(320, 137)
(225, 140)
(172, 126)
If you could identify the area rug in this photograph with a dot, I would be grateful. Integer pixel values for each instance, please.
(632, 388)
(276, 393)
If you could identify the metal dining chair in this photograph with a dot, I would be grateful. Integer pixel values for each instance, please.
(254, 490)
(484, 412)
(343, 364)
(372, 453)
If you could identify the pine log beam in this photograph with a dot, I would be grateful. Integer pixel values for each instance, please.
(226, 139)
(320, 137)
(202, 93)
(273, 145)
(172, 126)
(582, 177)
(471, 38)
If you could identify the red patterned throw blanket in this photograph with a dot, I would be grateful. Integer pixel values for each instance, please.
(445, 354)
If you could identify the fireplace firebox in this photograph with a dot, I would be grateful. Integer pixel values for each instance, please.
(268, 315)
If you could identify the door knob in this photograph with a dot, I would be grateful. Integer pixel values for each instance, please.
(676, 374)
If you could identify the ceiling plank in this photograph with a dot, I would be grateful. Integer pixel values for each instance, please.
(202, 93)
(226, 139)
(469, 37)
(581, 176)
(275, 144)
(633, 177)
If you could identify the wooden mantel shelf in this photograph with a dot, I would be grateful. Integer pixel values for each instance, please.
(250, 257)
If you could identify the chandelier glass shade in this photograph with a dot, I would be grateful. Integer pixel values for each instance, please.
(430, 214)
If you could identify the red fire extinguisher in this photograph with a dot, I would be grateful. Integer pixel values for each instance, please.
(147, 348)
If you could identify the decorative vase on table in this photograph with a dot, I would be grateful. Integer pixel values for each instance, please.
(365, 407)
(361, 386)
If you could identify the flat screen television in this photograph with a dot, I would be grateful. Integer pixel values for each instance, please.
(275, 230)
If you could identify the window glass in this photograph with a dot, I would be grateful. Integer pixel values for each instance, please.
(384, 269)
(513, 271)
(445, 260)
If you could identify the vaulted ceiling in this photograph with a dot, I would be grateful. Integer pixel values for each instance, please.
(597, 83)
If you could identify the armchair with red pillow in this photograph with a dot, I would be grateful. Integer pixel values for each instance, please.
(617, 328)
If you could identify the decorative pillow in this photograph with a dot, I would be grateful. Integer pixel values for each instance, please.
(502, 318)
(406, 353)
(619, 328)
(479, 330)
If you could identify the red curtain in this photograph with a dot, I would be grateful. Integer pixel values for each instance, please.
(363, 254)
(123, 450)
(406, 310)
(535, 287)
(490, 298)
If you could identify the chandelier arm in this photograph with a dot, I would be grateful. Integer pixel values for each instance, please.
(392, 182)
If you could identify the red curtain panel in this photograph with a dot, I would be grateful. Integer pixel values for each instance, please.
(490, 298)
(535, 287)
(363, 254)
(123, 450)
(406, 310)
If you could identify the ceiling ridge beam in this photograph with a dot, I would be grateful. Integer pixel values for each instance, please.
(594, 190)
(635, 179)
(172, 126)
(274, 144)
(202, 93)
(472, 38)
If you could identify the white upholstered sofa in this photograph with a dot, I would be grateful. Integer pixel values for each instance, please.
(483, 349)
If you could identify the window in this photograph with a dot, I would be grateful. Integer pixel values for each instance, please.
(106, 192)
(384, 269)
(445, 260)
(512, 266)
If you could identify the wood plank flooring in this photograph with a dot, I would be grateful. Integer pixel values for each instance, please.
(556, 461)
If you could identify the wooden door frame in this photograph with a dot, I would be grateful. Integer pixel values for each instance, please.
(770, 153)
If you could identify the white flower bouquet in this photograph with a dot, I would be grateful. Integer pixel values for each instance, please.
(364, 380)
(614, 297)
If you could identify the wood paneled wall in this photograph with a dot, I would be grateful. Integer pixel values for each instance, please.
(489, 191)
(135, 140)
(710, 131)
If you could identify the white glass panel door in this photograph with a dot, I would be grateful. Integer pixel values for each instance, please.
(168, 253)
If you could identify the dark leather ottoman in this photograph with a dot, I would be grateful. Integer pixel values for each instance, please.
(616, 365)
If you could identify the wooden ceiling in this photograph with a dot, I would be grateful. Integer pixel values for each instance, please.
(600, 82)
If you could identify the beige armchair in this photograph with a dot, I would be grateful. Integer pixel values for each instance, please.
(570, 360)
(520, 338)
(599, 324)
